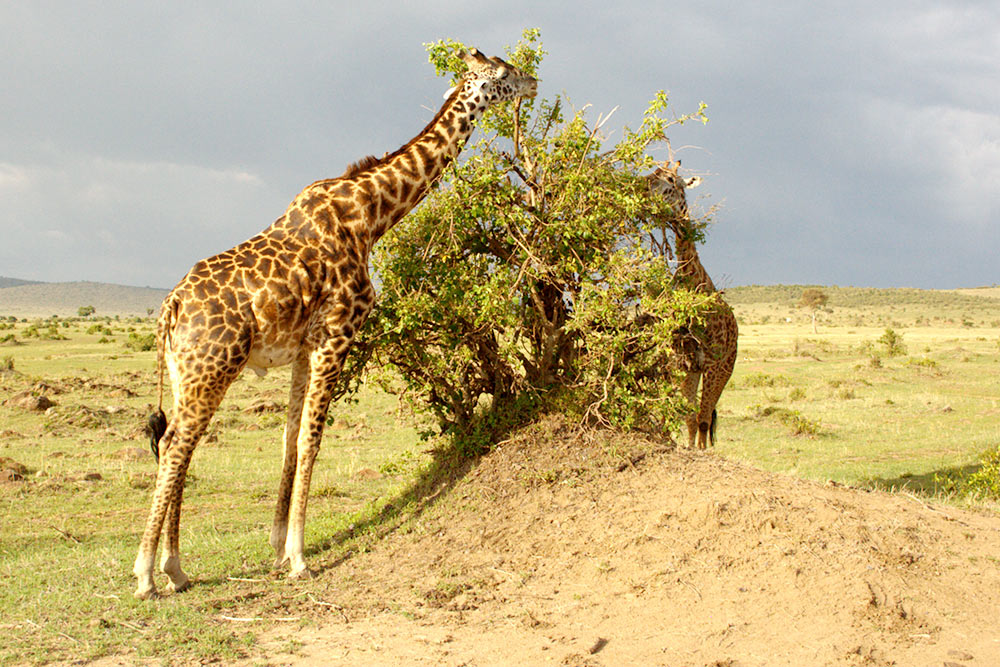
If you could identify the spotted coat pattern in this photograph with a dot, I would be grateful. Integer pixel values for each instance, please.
(296, 293)
(710, 359)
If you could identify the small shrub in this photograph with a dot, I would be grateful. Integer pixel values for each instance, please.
(399, 464)
(793, 419)
(7, 363)
(986, 480)
(892, 342)
(141, 343)
(796, 394)
(923, 362)
(53, 333)
(760, 380)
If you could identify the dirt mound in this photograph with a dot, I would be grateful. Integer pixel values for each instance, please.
(11, 470)
(594, 549)
(31, 401)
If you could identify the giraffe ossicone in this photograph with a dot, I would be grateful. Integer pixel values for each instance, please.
(708, 354)
(296, 293)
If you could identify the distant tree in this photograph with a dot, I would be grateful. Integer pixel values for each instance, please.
(85, 311)
(813, 299)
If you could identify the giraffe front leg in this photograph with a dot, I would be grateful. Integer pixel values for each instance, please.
(325, 363)
(296, 396)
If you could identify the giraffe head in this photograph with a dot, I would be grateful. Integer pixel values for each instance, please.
(492, 80)
(667, 182)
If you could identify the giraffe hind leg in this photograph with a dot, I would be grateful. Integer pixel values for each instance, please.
(715, 381)
(170, 563)
(689, 389)
(181, 436)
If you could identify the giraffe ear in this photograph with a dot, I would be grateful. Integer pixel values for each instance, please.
(692, 182)
(448, 92)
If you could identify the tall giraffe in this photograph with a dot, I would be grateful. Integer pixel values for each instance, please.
(295, 293)
(711, 362)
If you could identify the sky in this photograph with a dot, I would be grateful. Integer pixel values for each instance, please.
(849, 143)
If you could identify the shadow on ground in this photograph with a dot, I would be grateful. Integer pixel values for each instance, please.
(935, 482)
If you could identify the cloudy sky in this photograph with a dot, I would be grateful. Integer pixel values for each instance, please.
(850, 143)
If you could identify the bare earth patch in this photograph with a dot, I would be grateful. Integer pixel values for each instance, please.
(593, 549)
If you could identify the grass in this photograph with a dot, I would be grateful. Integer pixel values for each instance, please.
(912, 420)
(69, 533)
(802, 403)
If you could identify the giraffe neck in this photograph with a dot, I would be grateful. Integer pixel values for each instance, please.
(399, 181)
(689, 266)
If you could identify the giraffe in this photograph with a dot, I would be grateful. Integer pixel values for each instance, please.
(296, 293)
(710, 360)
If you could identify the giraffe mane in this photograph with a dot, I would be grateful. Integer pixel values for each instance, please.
(356, 168)
(371, 161)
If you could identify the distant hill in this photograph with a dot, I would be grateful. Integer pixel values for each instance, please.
(14, 282)
(24, 298)
(859, 297)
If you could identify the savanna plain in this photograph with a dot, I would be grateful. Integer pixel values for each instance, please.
(845, 516)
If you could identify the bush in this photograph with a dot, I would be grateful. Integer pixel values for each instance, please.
(141, 343)
(986, 481)
(793, 419)
(892, 342)
(758, 379)
(535, 278)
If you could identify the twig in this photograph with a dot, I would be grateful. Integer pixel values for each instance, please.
(133, 626)
(509, 574)
(918, 500)
(691, 586)
(253, 581)
(256, 619)
(331, 605)
(65, 534)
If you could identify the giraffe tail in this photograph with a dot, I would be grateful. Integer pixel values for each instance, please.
(156, 427)
(711, 428)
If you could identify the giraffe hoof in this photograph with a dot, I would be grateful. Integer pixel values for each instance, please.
(178, 587)
(304, 573)
(146, 593)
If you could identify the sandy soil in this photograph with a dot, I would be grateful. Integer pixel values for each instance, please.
(591, 549)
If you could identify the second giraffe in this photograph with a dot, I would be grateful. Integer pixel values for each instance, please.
(711, 362)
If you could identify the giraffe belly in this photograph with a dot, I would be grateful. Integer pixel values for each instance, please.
(264, 356)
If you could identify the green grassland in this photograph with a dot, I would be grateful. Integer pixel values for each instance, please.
(830, 405)
(835, 404)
